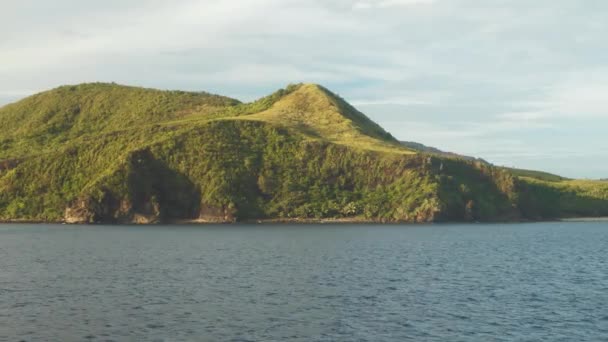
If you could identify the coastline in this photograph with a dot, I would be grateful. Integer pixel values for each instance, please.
(30, 222)
(585, 219)
(228, 222)
(304, 221)
(294, 221)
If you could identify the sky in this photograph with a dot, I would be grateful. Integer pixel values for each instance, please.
(519, 83)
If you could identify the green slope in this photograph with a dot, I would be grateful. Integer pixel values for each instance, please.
(542, 195)
(47, 120)
(319, 114)
(566, 198)
(110, 153)
(539, 175)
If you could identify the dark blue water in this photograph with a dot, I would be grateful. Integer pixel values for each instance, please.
(527, 282)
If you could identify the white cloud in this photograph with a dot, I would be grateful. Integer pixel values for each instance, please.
(15, 93)
(391, 101)
(459, 74)
(582, 97)
(525, 116)
(367, 4)
(250, 74)
(580, 100)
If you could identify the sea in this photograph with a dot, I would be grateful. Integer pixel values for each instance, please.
(440, 282)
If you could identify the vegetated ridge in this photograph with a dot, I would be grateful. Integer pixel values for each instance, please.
(435, 151)
(114, 154)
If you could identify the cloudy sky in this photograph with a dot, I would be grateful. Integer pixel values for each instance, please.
(518, 82)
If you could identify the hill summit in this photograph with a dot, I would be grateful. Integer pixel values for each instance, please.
(116, 154)
(319, 113)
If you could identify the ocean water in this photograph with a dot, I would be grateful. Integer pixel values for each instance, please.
(502, 282)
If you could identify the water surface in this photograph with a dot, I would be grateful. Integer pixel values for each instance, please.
(521, 282)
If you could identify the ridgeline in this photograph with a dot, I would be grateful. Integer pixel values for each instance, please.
(106, 153)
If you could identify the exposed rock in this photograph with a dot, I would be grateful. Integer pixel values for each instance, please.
(8, 164)
(217, 214)
(79, 212)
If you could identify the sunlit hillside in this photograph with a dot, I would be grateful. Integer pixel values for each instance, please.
(110, 153)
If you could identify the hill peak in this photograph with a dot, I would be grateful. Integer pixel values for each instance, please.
(313, 109)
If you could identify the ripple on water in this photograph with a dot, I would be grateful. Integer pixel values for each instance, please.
(306, 283)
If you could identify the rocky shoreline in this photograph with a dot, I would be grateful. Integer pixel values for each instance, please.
(362, 221)
(585, 219)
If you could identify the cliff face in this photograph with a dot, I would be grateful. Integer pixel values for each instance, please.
(302, 153)
(246, 170)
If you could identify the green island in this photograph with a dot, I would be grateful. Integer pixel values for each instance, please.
(107, 153)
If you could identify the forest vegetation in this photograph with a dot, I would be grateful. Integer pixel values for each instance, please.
(109, 153)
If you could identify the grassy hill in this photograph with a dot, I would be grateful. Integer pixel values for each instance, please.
(522, 173)
(564, 198)
(50, 119)
(322, 115)
(543, 195)
(109, 153)
(538, 175)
